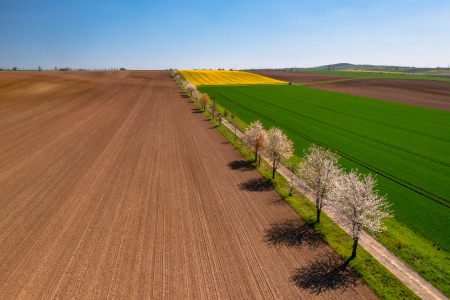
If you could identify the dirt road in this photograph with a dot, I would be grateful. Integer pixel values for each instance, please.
(114, 185)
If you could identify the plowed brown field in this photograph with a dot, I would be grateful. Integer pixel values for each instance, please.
(424, 93)
(298, 77)
(113, 185)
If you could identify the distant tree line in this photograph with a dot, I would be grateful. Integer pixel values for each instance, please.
(62, 69)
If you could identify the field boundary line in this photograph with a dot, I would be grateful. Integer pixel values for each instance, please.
(413, 280)
(330, 81)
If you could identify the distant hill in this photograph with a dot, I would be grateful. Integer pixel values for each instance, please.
(349, 66)
(339, 65)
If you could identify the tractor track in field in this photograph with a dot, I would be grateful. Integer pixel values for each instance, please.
(440, 200)
(438, 161)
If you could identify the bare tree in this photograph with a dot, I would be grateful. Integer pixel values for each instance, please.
(236, 126)
(204, 100)
(318, 172)
(358, 205)
(293, 167)
(212, 109)
(279, 147)
(219, 117)
(255, 137)
(39, 68)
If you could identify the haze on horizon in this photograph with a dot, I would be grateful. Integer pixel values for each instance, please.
(223, 34)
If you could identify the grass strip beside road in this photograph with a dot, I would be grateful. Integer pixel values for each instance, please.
(377, 277)
(329, 81)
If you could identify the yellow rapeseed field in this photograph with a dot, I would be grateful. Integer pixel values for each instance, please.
(219, 77)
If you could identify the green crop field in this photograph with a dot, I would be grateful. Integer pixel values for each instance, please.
(375, 75)
(407, 147)
(434, 72)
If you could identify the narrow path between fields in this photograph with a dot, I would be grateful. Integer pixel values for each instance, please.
(413, 280)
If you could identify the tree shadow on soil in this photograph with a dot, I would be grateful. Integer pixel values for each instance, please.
(279, 201)
(241, 165)
(196, 111)
(293, 233)
(256, 185)
(327, 273)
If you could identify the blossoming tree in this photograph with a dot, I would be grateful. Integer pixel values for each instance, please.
(358, 205)
(318, 171)
(255, 137)
(279, 147)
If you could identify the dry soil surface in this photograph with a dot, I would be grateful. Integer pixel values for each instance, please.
(113, 185)
(424, 93)
(299, 77)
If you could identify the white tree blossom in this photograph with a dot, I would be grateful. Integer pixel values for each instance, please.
(358, 205)
(279, 147)
(189, 87)
(196, 95)
(318, 171)
(255, 137)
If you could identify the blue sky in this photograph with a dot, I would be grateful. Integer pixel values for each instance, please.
(222, 34)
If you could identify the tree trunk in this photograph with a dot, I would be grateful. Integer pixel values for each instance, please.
(355, 245)
(259, 161)
(318, 215)
(256, 155)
